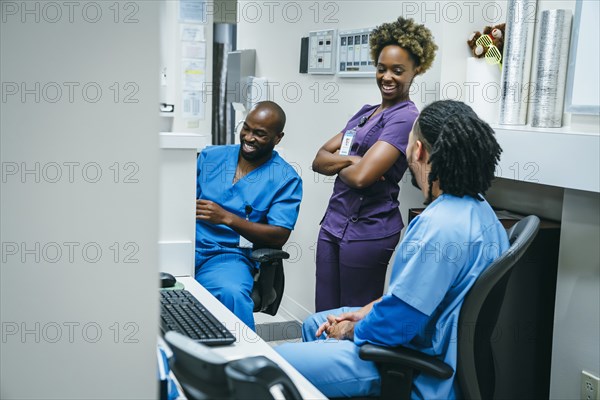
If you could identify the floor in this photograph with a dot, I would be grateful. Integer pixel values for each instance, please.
(278, 329)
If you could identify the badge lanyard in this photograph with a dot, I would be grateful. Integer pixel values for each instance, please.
(348, 138)
(245, 243)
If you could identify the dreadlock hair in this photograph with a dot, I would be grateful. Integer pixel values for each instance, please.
(463, 151)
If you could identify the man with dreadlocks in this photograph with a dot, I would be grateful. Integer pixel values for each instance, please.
(452, 155)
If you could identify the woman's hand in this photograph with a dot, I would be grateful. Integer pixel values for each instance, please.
(354, 159)
(372, 166)
(328, 160)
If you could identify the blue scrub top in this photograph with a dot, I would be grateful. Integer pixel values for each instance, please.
(442, 253)
(273, 190)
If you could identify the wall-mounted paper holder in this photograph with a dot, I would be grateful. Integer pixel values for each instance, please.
(167, 108)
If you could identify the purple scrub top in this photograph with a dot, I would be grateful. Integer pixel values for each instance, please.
(372, 213)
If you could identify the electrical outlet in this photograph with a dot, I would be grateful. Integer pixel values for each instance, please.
(589, 386)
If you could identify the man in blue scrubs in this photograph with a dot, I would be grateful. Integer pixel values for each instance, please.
(247, 195)
(452, 155)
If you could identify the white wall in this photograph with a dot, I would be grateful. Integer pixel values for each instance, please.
(326, 102)
(577, 315)
(79, 200)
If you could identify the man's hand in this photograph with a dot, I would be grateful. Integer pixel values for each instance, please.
(341, 330)
(258, 233)
(345, 321)
(326, 325)
(353, 316)
(210, 211)
(341, 326)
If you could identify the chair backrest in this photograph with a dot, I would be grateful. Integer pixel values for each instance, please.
(479, 314)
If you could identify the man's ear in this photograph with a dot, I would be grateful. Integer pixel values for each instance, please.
(279, 137)
(419, 150)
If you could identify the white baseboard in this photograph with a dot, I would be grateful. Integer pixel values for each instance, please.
(293, 310)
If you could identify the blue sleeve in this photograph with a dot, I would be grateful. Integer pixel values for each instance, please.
(286, 204)
(391, 322)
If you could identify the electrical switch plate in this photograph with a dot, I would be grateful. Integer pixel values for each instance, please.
(589, 386)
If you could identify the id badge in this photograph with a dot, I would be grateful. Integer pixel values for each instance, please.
(245, 243)
(347, 140)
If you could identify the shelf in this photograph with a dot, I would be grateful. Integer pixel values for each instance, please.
(171, 140)
(556, 157)
(565, 130)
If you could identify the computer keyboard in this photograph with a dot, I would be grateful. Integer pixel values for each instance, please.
(180, 311)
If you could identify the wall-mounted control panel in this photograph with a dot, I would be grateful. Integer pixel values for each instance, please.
(322, 49)
(354, 58)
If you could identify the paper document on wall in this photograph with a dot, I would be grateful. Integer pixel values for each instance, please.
(194, 74)
(192, 11)
(194, 51)
(192, 33)
(193, 105)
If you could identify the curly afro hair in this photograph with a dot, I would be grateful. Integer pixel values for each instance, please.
(413, 37)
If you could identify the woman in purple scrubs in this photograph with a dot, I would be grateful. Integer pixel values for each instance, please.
(362, 224)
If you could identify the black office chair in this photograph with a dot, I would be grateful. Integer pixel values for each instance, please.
(480, 309)
(269, 280)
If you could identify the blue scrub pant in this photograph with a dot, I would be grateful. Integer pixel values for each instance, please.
(332, 366)
(229, 278)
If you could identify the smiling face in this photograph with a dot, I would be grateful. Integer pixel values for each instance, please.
(259, 135)
(395, 72)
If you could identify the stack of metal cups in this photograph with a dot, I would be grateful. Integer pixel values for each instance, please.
(516, 67)
(548, 91)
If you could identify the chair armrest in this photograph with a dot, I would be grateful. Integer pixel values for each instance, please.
(266, 255)
(403, 356)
